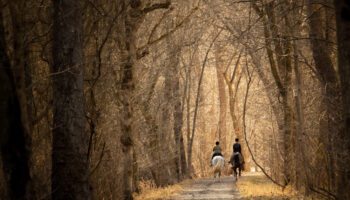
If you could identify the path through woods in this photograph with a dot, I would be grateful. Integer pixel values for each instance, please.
(99, 98)
(208, 188)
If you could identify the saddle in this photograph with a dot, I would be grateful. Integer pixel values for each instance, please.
(236, 159)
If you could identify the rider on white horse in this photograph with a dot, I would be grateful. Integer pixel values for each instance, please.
(217, 160)
(217, 151)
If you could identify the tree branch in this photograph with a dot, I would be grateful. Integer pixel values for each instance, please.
(157, 6)
(150, 43)
(199, 86)
(157, 25)
(245, 134)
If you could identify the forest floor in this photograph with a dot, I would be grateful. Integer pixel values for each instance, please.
(248, 187)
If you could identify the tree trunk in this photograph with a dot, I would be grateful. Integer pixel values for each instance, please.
(281, 70)
(343, 139)
(330, 89)
(298, 154)
(178, 119)
(179, 123)
(126, 95)
(13, 153)
(188, 121)
(169, 164)
(222, 96)
(69, 148)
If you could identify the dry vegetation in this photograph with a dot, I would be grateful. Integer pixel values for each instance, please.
(100, 98)
(258, 187)
(149, 191)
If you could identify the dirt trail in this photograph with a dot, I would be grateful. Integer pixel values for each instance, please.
(211, 189)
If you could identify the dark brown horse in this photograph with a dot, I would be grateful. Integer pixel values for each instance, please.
(237, 162)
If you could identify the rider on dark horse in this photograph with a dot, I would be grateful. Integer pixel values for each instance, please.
(237, 147)
(217, 151)
(237, 155)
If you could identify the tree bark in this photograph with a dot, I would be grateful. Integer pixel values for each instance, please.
(178, 116)
(131, 21)
(69, 148)
(342, 9)
(13, 153)
(330, 89)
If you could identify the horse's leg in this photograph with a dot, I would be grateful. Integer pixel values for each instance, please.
(240, 170)
(236, 173)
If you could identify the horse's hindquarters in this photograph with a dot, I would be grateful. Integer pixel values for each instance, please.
(218, 165)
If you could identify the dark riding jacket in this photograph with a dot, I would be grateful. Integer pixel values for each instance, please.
(237, 148)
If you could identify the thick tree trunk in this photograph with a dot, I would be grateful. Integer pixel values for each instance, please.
(343, 138)
(169, 163)
(69, 148)
(126, 95)
(178, 116)
(14, 155)
(20, 68)
(178, 124)
(135, 12)
(330, 89)
(298, 97)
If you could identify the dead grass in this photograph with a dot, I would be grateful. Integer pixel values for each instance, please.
(258, 187)
(149, 191)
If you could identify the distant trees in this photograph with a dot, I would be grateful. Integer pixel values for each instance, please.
(98, 96)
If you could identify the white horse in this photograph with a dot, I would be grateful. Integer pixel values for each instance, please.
(218, 163)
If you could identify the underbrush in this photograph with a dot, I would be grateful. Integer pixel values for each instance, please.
(149, 191)
(258, 187)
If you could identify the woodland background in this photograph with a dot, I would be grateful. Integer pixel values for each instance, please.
(98, 95)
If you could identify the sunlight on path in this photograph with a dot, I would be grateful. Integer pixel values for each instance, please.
(210, 189)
